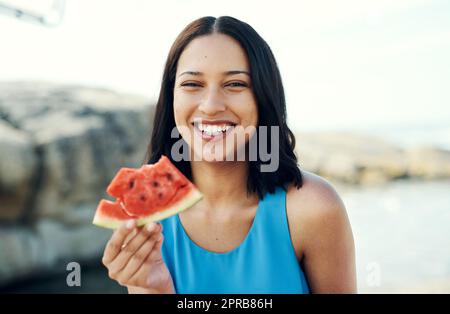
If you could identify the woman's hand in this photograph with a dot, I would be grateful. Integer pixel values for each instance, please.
(133, 258)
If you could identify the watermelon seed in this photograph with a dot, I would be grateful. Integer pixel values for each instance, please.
(131, 184)
(169, 176)
(143, 198)
(155, 183)
(160, 195)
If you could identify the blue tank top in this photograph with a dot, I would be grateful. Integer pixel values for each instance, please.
(265, 262)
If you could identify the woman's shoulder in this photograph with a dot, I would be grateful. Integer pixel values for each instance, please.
(313, 209)
(317, 196)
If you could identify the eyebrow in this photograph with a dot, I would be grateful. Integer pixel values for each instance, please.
(197, 73)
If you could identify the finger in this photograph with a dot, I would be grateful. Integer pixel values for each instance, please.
(130, 249)
(130, 236)
(139, 258)
(114, 245)
(152, 269)
(155, 254)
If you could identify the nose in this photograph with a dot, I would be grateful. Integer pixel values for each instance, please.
(212, 103)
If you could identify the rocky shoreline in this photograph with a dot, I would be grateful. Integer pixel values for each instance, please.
(350, 158)
(60, 146)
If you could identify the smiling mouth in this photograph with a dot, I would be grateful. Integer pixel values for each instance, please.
(212, 130)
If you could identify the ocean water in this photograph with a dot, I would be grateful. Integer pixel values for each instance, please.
(402, 236)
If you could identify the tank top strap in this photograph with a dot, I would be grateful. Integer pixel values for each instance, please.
(272, 222)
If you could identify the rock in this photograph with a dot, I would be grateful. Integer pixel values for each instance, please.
(362, 159)
(82, 136)
(60, 147)
(17, 167)
(428, 162)
(47, 247)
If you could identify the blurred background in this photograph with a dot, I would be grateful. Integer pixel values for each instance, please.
(367, 87)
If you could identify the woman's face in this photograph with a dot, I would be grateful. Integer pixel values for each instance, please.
(214, 106)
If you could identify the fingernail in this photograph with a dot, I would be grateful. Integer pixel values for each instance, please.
(130, 224)
(151, 227)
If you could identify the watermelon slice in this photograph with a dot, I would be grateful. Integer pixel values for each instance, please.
(150, 193)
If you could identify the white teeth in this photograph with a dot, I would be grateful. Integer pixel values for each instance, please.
(213, 130)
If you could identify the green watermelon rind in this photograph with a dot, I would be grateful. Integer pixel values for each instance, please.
(193, 197)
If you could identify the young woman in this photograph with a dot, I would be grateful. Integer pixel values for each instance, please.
(254, 231)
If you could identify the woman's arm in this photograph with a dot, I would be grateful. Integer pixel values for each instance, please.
(138, 290)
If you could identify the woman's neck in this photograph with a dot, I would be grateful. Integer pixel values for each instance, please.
(221, 182)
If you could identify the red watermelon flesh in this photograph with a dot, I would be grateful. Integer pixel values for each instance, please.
(150, 193)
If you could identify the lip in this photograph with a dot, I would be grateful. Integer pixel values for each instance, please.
(212, 122)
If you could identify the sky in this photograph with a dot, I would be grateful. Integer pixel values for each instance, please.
(344, 64)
